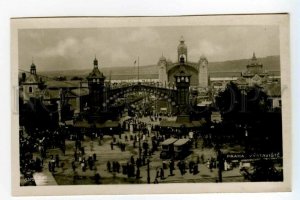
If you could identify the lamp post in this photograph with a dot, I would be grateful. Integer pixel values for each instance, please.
(140, 149)
(220, 164)
(169, 105)
(246, 140)
(148, 171)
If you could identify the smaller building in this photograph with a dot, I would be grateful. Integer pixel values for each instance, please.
(255, 74)
(32, 85)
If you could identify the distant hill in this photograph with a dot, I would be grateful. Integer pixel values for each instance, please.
(270, 63)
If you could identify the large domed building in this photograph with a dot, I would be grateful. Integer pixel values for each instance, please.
(198, 70)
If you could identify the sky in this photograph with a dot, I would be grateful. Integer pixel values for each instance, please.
(67, 49)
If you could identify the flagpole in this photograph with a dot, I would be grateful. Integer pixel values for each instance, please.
(138, 68)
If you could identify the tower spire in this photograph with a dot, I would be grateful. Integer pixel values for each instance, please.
(95, 62)
(181, 39)
(254, 57)
(32, 67)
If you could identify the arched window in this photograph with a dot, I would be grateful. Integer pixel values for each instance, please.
(30, 89)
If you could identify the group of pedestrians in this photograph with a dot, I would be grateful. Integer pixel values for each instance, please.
(53, 163)
(113, 166)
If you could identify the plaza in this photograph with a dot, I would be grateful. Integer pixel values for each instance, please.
(93, 131)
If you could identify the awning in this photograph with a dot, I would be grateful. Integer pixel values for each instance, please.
(169, 141)
(174, 124)
(107, 124)
(125, 118)
(69, 123)
(82, 124)
(181, 142)
(111, 124)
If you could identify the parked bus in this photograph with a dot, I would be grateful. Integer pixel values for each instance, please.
(167, 148)
(182, 148)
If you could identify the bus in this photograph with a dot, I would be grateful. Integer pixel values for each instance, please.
(182, 148)
(167, 148)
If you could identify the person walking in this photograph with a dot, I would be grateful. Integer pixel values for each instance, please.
(171, 167)
(57, 160)
(73, 165)
(162, 173)
(108, 165)
(137, 173)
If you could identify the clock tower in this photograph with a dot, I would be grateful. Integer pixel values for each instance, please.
(182, 78)
(96, 88)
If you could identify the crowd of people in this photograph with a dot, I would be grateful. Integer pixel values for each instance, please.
(143, 136)
(38, 141)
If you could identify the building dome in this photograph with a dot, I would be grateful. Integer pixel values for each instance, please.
(203, 57)
(162, 58)
(253, 60)
(32, 66)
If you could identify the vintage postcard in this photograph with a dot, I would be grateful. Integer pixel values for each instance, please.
(151, 105)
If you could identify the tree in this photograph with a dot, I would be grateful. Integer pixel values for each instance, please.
(234, 99)
(229, 100)
(256, 99)
(264, 170)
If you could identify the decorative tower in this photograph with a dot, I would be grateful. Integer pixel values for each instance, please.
(203, 72)
(183, 79)
(182, 50)
(96, 88)
(162, 71)
(32, 85)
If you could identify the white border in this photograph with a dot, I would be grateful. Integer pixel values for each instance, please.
(280, 20)
(20, 8)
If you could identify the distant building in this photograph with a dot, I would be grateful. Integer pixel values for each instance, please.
(255, 74)
(162, 71)
(32, 85)
(203, 72)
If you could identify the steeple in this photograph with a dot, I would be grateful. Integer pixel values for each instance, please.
(181, 39)
(95, 62)
(253, 57)
(182, 50)
(33, 68)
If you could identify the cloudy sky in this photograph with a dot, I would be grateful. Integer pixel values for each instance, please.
(65, 49)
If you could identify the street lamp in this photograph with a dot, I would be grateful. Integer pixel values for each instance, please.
(220, 162)
(148, 171)
(140, 149)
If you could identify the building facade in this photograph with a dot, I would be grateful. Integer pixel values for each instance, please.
(203, 72)
(32, 85)
(198, 70)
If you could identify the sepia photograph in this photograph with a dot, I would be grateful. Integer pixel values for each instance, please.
(157, 102)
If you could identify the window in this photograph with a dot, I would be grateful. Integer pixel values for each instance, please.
(30, 89)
